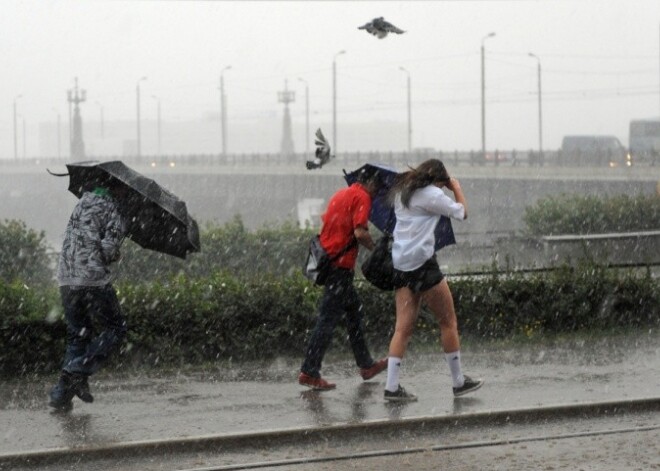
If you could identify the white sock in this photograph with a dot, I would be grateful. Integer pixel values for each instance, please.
(393, 368)
(454, 362)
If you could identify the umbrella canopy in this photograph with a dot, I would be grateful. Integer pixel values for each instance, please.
(382, 212)
(156, 218)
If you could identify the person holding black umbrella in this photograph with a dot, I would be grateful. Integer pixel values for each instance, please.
(345, 225)
(419, 203)
(115, 202)
(94, 235)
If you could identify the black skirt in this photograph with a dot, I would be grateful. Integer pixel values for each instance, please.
(421, 279)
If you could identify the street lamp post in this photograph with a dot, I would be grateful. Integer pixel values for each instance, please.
(334, 100)
(139, 134)
(15, 128)
(70, 119)
(540, 108)
(59, 134)
(483, 96)
(223, 111)
(158, 118)
(307, 136)
(102, 119)
(409, 111)
(24, 140)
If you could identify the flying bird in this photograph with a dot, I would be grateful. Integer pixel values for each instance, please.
(379, 27)
(322, 152)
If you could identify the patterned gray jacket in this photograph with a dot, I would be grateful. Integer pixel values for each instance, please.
(92, 240)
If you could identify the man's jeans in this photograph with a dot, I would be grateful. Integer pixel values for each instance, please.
(339, 297)
(83, 308)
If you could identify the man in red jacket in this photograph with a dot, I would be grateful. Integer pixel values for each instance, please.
(345, 225)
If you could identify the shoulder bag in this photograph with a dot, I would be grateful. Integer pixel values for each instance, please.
(378, 268)
(318, 263)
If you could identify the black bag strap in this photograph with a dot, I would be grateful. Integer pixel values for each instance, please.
(350, 245)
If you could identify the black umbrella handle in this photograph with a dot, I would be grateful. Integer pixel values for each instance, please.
(57, 174)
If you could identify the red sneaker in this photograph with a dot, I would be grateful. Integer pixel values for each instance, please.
(377, 367)
(317, 384)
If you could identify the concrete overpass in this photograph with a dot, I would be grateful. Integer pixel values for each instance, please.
(269, 190)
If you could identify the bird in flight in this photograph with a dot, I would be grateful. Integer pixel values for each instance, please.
(380, 28)
(322, 152)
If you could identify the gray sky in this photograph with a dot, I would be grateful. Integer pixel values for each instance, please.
(600, 64)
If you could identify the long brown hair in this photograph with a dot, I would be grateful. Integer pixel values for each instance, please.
(427, 173)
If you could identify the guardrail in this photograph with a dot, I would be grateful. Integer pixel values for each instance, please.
(639, 249)
(618, 248)
(510, 158)
(621, 236)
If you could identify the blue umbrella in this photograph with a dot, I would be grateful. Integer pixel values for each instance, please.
(382, 213)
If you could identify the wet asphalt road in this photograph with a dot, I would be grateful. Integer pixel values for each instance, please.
(230, 399)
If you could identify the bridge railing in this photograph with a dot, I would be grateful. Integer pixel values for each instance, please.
(512, 158)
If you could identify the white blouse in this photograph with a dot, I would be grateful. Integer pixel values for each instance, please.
(414, 237)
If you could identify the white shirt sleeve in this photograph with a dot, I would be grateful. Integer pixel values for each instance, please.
(437, 202)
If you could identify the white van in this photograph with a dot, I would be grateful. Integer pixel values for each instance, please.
(594, 151)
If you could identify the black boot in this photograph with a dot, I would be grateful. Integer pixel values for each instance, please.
(62, 393)
(80, 387)
(69, 385)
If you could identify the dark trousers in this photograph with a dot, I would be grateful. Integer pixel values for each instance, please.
(84, 309)
(339, 298)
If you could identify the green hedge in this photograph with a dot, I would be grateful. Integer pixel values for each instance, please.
(579, 214)
(244, 298)
(32, 333)
(192, 321)
(563, 300)
(217, 317)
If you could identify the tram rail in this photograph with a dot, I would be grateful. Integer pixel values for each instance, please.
(414, 450)
(273, 439)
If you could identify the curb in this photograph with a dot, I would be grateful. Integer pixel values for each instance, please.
(298, 436)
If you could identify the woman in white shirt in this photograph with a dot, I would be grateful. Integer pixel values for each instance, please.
(419, 202)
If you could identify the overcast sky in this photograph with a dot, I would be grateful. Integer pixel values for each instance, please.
(600, 64)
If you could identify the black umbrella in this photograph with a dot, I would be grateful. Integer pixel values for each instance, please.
(156, 218)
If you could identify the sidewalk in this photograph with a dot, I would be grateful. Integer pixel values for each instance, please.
(249, 398)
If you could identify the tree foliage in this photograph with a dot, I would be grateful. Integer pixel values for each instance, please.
(231, 248)
(24, 254)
